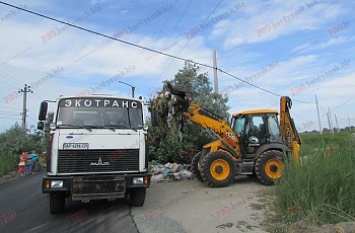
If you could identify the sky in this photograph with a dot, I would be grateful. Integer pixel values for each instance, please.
(301, 49)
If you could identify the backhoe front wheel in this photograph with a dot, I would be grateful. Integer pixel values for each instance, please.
(268, 167)
(218, 169)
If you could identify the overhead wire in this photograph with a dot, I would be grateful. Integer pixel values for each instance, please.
(1, 75)
(209, 15)
(144, 47)
(164, 47)
(167, 19)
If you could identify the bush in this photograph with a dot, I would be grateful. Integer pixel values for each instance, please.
(167, 148)
(322, 188)
(12, 143)
(8, 163)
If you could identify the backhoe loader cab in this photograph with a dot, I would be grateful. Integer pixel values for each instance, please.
(256, 128)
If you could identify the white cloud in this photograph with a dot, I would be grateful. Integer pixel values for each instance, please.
(270, 20)
(297, 64)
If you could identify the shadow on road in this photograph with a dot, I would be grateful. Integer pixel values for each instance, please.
(25, 209)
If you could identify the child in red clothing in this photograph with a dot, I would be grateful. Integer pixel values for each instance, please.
(22, 164)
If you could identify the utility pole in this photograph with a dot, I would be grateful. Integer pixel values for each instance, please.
(349, 121)
(319, 122)
(25, 90)
(214, 57)
(330, 127)
(330, 121)
(336, 122)
(133, 87)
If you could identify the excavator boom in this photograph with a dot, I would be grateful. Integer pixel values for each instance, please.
(288, 128)
(208, 120)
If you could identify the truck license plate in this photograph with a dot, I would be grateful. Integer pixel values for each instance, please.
(76, 146)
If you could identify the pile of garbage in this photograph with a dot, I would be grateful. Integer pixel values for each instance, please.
(170, 172)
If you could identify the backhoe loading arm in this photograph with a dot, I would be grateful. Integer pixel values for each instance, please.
(287, 126)
(208, 120)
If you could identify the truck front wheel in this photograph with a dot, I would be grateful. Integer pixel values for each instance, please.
(56, 202)
(137, 196)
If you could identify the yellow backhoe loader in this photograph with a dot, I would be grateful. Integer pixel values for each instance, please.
(254, 144)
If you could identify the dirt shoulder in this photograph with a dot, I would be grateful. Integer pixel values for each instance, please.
(10, 176)
(191, 206)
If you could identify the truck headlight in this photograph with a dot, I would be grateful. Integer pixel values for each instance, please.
(57, 184)
(138, 180)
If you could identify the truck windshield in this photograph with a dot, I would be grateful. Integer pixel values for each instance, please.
(99, 113)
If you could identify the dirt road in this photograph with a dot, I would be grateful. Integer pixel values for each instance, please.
(191, 206)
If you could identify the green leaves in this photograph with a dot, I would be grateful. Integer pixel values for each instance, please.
(12, 143)
(164, 145)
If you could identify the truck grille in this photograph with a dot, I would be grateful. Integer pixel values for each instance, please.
(79, 161)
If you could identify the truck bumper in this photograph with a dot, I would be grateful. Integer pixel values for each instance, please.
(86, 188)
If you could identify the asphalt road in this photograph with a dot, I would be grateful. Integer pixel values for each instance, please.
(23, 208)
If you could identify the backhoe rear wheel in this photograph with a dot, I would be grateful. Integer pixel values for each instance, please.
(218, 169)
(268, 167)
(194, 165)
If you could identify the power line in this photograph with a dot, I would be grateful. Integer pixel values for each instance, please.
(182, 15)
(162, 28)
(9, 84)
(104, 35)
(144, 47)
(2, 73)
(263, 89)
(214, 9)
(172, 31)
(8, 107)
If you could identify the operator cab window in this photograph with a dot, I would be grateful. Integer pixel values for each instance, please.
(255, 125)
(274, 129)
(238, 125)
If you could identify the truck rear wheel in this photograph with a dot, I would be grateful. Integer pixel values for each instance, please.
(218, 169)
(56, 202)
(268, 166)
(194, 165)
(137, 196)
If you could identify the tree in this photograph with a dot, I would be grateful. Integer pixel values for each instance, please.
(165, 146)
(12, 143)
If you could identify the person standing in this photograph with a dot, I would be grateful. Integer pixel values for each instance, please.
(28, 163)
(34, 158)
(22, 164)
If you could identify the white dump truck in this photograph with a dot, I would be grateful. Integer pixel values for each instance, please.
(97, 149)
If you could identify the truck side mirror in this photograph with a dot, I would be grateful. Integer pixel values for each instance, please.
(40, 125)
(43, 111)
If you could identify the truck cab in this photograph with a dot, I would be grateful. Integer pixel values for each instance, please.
(97, 149)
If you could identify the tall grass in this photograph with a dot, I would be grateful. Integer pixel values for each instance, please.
(322, 188)
(8, 163)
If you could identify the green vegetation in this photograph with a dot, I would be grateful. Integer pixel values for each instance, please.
(11, 144)
(320, 190)
(166, 146)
